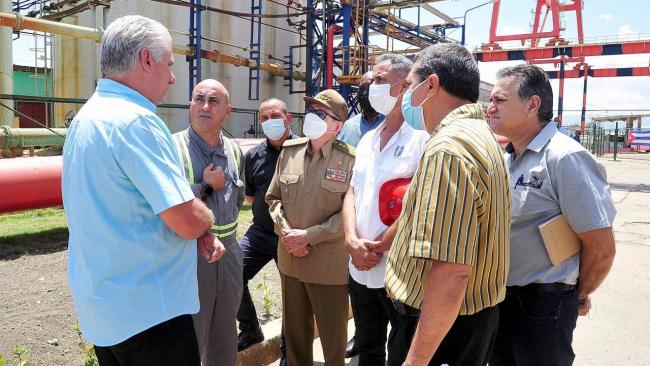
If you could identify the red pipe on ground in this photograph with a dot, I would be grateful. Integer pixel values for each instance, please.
(35, 182)
(28, 183)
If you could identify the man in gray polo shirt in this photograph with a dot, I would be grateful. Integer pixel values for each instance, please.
(550, 174)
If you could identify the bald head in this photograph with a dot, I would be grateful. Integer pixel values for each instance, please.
(209, 106)
(366, 80)
(211, 84)
(275, 103)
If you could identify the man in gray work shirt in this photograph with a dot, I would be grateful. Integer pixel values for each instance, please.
(550, 174)
(214, 168)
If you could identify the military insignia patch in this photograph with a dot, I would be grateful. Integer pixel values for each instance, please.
(336, 175)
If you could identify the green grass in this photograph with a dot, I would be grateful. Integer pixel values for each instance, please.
(47, 229)
(33, 229)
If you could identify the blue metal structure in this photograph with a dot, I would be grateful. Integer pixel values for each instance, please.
(355, 19)
(255, 44)
(195, 43)
(406, 31)
(323, 15)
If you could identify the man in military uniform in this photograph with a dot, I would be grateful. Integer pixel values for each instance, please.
(214, 169)
(260, 244)
(305, 199)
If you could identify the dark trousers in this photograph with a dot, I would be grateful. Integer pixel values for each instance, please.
(535, 328)
(372, 310)
(172, 343)
(259, 248)
(468, 342)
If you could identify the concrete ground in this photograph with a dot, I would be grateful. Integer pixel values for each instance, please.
(617, 330)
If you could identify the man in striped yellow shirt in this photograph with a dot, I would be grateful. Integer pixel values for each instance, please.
(448, 263)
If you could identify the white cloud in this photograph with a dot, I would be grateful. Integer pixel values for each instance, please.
(607, 18)
(625, 30)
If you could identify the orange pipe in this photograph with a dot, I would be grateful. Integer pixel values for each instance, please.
(18, 22)
(28, 183)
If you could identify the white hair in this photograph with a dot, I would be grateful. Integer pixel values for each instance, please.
(125, 37)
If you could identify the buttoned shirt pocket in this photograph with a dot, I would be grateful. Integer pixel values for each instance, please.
(331, 195)
(289, 187)
(533, 194)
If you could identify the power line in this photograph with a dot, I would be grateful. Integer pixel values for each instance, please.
(244, 17)
(230, 12)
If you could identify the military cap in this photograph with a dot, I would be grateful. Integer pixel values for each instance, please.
(333, 100)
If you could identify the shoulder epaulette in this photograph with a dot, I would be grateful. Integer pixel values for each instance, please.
(346, 148)
(296, 141)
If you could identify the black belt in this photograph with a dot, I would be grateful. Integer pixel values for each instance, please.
(555, 287)
(405, 310)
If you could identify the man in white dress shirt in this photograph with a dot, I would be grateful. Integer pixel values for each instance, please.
(389, 152)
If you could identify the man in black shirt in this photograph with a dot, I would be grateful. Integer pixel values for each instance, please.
(260, 244)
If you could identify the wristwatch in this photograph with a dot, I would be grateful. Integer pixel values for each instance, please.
(207, 188)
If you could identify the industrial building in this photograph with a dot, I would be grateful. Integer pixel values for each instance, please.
(263, 31)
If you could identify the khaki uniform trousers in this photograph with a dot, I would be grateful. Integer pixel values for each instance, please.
(328, 304)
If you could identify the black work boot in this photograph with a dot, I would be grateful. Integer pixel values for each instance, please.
(249, 338)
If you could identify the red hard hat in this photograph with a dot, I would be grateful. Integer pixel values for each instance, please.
(391, 194)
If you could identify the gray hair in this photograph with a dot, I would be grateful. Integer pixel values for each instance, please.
(455, 67)
(397, 62)
(283, 105)
(125, 37)
(532, 80)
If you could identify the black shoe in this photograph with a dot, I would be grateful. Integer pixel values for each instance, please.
(283, 361)
(248, 339)
(351, 349)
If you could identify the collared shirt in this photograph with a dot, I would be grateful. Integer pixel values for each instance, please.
(357, 126)
(226, 201)
(374, 167)
(554, 175)
(306, 192)
(259, 165)
(456, 210)
(127, 271)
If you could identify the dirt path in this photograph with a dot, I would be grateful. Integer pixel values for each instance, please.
(36, 307)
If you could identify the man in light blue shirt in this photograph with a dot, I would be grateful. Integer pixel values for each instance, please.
(131, 214)
(357, 126)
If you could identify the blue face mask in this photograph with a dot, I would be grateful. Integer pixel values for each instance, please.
(274, 128)
(413, 115)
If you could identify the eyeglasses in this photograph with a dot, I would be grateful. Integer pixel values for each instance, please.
(320, 113)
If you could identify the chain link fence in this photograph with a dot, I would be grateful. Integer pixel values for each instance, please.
(600, 140)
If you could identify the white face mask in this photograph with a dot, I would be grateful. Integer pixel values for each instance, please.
(314, 126)
(274, 128)
(380, 98)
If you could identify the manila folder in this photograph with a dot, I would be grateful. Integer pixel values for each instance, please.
(560, 240)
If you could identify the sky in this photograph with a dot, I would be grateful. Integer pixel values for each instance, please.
(601, 20)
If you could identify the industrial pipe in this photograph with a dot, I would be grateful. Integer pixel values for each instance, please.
(330, 53)
(35, 182)
(6, 61)
(29, 183)
(21, 137)
(18, 22)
